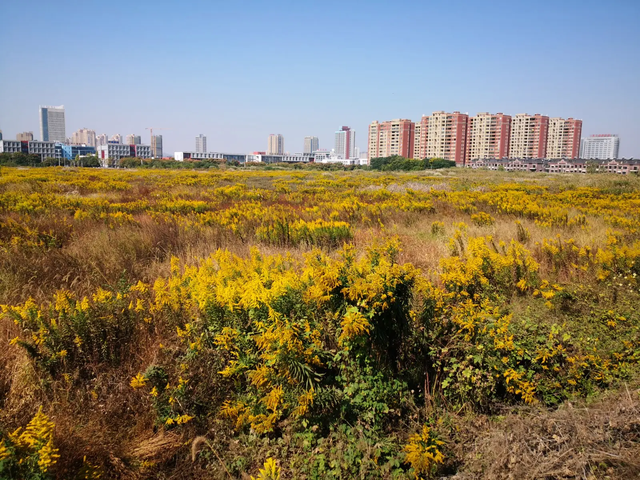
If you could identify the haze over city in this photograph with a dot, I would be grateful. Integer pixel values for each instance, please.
(237, 72)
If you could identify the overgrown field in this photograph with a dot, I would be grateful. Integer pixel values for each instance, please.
(317, 325)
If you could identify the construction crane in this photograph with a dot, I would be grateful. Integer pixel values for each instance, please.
(151, 136)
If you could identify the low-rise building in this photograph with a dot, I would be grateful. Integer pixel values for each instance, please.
(70, 152)
(566, 166)
(111, 153)
(518, 164)
(260, 157)
(621, 167)
(579, 165)
(182, 156)
(140, 151)
(43, 149)
(10, 146)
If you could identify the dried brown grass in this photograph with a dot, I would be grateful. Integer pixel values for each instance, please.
(577, 441)
(159, 447)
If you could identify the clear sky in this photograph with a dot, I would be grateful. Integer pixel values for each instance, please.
(239, 70)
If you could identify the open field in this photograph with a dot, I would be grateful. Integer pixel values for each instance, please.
(164, 324)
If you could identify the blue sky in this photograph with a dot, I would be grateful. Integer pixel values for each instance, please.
(237, 71)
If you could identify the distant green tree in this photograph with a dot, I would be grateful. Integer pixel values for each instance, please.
(91, 161)
(134, 162)
(436, 163)
(592, 167)
(20, 159)
(396, 162)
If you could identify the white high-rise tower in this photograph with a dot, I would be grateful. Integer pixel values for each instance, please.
(600, 147)
(201, 144)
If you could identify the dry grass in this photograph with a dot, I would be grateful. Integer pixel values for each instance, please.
(160, 447)
(577, 441)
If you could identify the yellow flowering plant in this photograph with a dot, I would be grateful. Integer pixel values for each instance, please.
(423, 453)
(72, 332)
(29, 452)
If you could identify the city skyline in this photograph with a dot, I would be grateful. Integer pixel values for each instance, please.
(529, 72)
(484, 136)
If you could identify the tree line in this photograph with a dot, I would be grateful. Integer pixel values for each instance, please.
(392, 163)
(396, 162)
(20, 159)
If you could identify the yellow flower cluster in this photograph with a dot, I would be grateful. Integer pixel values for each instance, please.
(423, 452)
(138, 381)
(353, 324)
(31, 447)
(481, 264)
(270, 471)
(279, 353)
(178, 420)
(66, 332)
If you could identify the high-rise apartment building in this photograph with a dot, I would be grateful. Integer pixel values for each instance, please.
(117, 138)
(488, 136)
(276, 144)
(456, 137)
(52, 124)
(528, 136)
(600, 147)
(102, 139)
(345, 143)
(311, 144)
(84, 136)
(563, 138)
(417, 133)
(0, 134)
(444, 135)
(156, 146)
(132, 139)
(201, 144)
(393, 137)
(24, 137)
